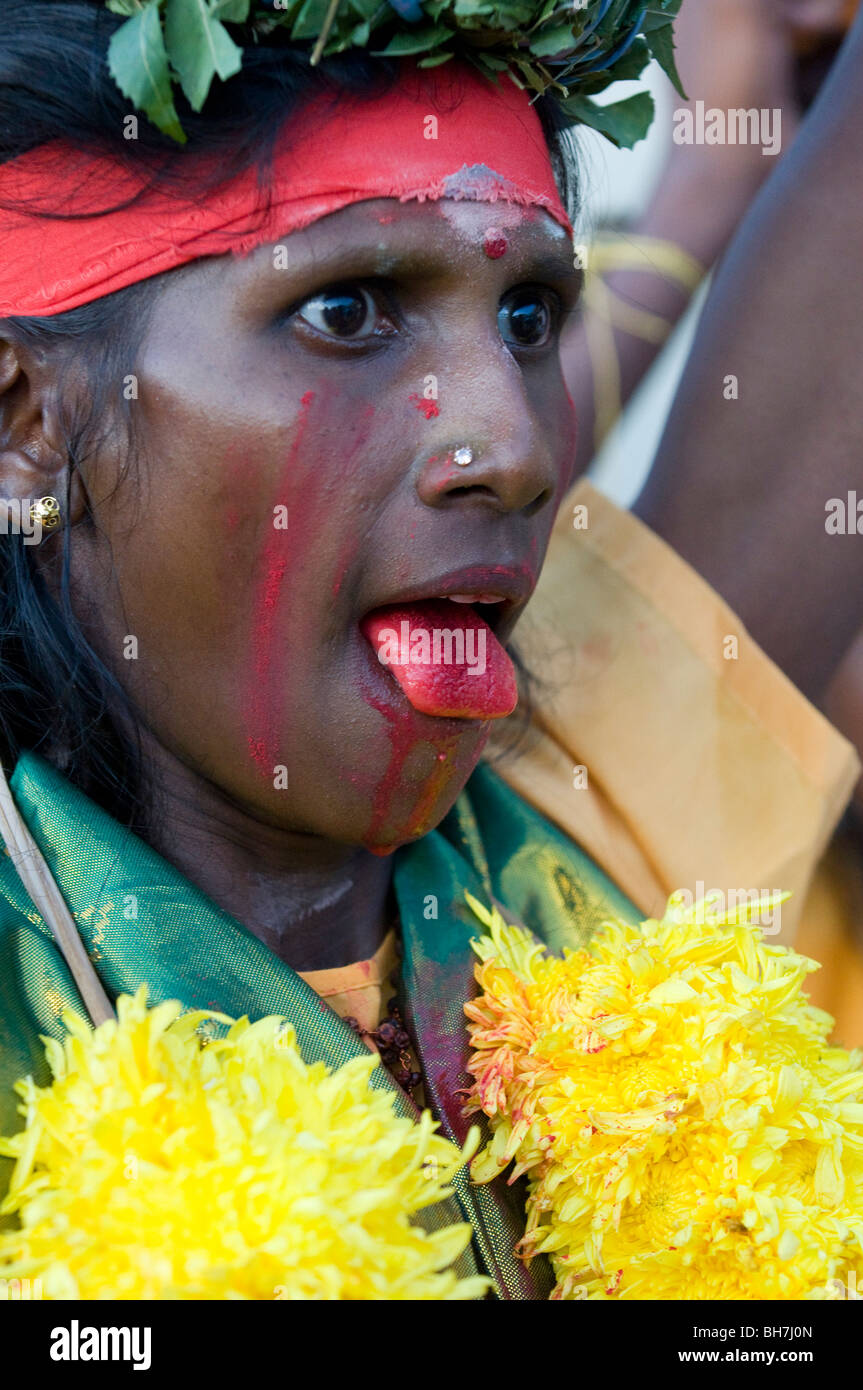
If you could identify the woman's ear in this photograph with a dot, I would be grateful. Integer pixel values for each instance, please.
(34, 461)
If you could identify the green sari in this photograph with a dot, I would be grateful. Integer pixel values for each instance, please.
(142, 921)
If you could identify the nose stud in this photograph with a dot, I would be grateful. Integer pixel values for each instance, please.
(463, 456)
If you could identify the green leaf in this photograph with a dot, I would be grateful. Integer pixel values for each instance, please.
(199, 47)
(517, 36)
(310, 20)
(624, 123)
(138, 64)
(530, 75)
(550, 41)
(416, 40)
(546, 12)
(631, 65)
(659, 14)
(661, 45)
(434, 60)
(232, 11)
(626, 69)
(491, 63)
(125, 7)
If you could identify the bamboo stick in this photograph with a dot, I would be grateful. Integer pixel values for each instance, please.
(48, 900)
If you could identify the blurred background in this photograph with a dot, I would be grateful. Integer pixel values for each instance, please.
(655, 221)
(749, 54)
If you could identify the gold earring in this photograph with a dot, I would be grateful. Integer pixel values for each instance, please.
(45, 513)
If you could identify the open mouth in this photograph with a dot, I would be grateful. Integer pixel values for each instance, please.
(445, 655)
(493, 612)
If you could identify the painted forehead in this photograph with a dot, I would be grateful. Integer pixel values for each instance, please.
(489, 147)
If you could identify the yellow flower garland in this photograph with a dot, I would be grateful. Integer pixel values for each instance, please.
(687, 1130)
(157, 1166)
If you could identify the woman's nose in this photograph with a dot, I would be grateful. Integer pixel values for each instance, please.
(492, 451)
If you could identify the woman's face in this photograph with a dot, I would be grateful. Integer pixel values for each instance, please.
(297, 412)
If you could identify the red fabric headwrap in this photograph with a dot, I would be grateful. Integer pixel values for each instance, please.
(437, 133)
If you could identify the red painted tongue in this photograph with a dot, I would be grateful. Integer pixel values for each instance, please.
(446, 659)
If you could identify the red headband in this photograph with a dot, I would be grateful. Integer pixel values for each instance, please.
(437, 133)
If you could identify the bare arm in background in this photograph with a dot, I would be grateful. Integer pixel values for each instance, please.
(740, 487)
(731, 54)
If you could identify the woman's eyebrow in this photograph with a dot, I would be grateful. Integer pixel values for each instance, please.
(421, 261)
(554, 265)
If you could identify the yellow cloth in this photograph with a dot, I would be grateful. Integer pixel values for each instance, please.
(361, 990)
(704, 763)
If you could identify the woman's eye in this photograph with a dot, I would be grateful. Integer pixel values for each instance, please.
(526, 317)
(345, 311)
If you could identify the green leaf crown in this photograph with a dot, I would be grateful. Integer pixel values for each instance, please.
(574, 50)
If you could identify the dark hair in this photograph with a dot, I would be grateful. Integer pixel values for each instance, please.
(56, 694)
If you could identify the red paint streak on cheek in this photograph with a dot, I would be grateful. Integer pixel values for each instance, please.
(270, 676)
(495, 244)
(273, 584)
(263, 703)
(430, 409)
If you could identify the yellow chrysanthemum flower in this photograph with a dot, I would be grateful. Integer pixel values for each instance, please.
(161, 1165)
(687, 1130)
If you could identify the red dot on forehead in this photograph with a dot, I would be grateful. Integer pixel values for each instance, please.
(494, 243)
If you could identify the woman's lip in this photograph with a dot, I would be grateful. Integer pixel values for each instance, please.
(512, 584)
(473, 598)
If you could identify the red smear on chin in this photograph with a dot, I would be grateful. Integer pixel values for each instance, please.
(402, 743)
(430, 409)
